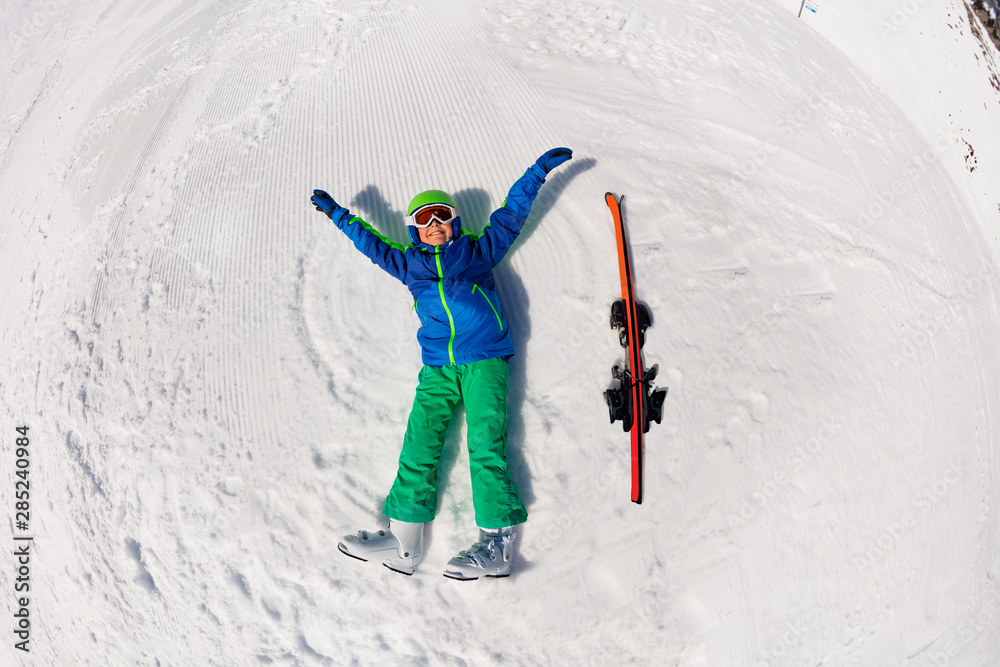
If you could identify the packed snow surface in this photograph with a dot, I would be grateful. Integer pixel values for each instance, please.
(216, 383)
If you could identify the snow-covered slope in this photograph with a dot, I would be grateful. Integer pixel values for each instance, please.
(938, 64)
(216, 383)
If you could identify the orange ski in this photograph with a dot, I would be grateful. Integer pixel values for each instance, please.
(633, 402)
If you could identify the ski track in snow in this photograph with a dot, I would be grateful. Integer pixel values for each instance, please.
(217, 382)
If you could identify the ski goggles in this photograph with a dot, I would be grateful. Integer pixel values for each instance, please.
(424, 216)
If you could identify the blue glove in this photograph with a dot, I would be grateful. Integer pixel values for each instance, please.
(554, 158)
(325, 203)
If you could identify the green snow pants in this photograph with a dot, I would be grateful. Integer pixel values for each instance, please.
(482, 385)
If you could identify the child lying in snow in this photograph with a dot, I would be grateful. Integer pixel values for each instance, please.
(465, 345)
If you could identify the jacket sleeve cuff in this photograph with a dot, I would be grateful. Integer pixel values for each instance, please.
(539, 173)
(341, 217)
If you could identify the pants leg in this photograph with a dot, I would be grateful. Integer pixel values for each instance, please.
(494, 495)
(413, 496)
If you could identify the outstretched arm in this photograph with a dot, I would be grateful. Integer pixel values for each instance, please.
(380, 250)
(506, 222)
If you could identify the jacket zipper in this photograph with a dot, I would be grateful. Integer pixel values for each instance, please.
(477, 288)
(451, 320)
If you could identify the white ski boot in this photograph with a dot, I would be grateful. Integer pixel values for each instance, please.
(400, 547)
(489, 557)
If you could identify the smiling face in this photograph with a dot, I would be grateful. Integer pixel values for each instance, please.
(436, 234)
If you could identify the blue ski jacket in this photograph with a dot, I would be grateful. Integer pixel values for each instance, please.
(452, 285)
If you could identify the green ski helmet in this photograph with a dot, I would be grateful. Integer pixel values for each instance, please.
(426, 198)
